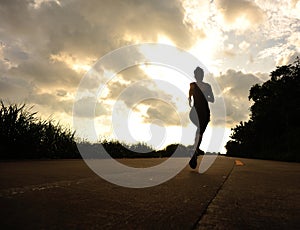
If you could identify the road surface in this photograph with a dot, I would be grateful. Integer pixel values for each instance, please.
(60, 194)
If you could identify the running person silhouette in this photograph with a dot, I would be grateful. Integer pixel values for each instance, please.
(200, 113)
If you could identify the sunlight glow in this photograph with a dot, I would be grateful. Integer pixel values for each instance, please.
(205, 19)
(171, 76)
(197, 12)
(163, 39)
(38, 3)
(80, 65)
(241, 23)
(205, 51)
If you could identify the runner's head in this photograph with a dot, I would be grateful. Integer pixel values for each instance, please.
(199, 74)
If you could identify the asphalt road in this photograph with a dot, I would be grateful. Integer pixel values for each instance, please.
(257, 195)
(60, 194)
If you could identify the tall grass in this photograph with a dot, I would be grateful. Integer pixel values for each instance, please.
(24, 135)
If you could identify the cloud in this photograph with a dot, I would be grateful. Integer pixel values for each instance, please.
(122, 86)
(294, 41)
(289, 58)
(229, 50)
(53, 102)
(140, 93)
(43, 73)
(58, 104)
(246, 11)
(48, 44)
(244, 46)
(235, 86)
(162, 111)
(281, 53)
(132, 85)
(15, 90)
(160, 105)
(84, 109)
(142, 19)
(61, 92)
(93, 28)
(281, 19)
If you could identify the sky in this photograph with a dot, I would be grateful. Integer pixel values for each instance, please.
(48, 46)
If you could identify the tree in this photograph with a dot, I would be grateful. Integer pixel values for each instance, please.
(273, 128)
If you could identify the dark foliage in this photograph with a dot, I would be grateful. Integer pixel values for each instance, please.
(117, 149)
(23, 135)
(273, 129)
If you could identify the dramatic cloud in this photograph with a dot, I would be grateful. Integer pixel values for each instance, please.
(47, 46)
(164, 112)
(240, 14)
(235, 86)
(50, 44)
(15, 89)
(136, 90)
(232, 9)
(85, 111)
(92, 28)
(52, 102)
